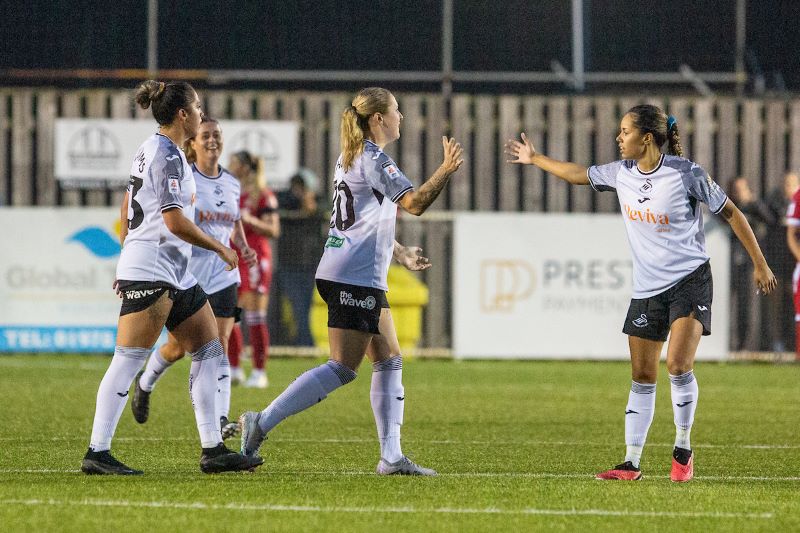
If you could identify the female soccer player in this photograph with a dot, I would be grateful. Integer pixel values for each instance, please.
(351, 276)
(217, 214)
(156, 286)
(672, 286)
(259, 210)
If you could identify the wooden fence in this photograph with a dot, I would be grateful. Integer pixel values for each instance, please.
(756, 138)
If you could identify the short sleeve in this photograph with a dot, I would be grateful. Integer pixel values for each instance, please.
(167, 173)
(604, 177)
(383, 175)
(793, 211)
(703, 188)
(268, 203)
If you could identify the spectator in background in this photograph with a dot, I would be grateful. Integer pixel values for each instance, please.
(259, 210)
(781, 325)
(299, 250)
(759, 217)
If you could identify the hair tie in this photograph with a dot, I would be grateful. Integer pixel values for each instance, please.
(671, 121)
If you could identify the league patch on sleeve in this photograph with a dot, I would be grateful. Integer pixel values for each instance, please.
(391, 170)
(174, 184)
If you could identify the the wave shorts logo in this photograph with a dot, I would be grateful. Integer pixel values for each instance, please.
(346, 298)
(98, 241)
(640, 322)
(142, 293)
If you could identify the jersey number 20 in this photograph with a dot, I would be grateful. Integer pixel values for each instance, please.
(339, 220)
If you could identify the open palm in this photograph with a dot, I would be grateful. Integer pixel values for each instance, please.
(522, 151)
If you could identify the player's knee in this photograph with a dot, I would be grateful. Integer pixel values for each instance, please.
(171, 352)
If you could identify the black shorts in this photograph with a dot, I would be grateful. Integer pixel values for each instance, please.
(352, 306)
(651, 318)
(139, 295)
(223, 302)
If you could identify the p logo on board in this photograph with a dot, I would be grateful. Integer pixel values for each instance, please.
(504, 282)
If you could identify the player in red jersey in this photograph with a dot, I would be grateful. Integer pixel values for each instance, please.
(259, 209)
(793, 240)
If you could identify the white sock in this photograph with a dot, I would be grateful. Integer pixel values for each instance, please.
(156, 366)
(203, 392)
(112, 395)
(307, 390)
(387, 397)
(638, 417)
(223, 387)
(684, 403)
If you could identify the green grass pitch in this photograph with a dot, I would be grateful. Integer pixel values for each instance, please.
(516, 444)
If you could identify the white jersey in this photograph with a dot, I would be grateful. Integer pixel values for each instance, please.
(662, 217)
(216, 212)
(361, 237)
(161, 179)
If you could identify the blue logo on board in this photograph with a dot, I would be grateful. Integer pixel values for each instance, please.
(98, 241)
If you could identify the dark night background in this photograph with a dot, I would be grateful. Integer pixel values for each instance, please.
(513, 35)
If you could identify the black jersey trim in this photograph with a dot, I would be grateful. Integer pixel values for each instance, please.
(399, 195)
(658, 166)
(218, 176)
(718, 211)
(170, 206)
(598, 188)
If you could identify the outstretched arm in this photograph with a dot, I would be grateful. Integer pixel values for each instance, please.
(523, 153)
(763, 276)
(410, 257)
(417, 201)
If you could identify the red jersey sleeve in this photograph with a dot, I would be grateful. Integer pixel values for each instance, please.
(793, 211)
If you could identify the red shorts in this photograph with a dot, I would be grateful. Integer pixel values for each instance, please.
(256, 278)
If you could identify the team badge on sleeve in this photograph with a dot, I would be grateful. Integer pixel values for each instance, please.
(174, 184)
(391, 170)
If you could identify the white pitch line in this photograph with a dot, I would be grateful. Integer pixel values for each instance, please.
(440, 442)
(392, 510)
(367, 473)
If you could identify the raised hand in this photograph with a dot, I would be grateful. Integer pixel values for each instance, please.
(522, 151)
(453, 155)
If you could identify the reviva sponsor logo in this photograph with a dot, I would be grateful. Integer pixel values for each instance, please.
(647, 216)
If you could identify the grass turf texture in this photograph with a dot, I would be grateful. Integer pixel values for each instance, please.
(516, 443)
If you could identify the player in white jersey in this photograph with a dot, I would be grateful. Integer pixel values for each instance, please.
(216, 212)
(659, 197)
(351, 276)
(156, 287)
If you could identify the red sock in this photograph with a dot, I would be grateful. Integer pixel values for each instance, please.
(259, 340)
(235, 346)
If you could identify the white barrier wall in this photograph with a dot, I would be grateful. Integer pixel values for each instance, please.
(557, 286)
(101, 150)
(56, 274)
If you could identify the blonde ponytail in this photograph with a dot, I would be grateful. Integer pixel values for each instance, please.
(351, 137)
(355, 121)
